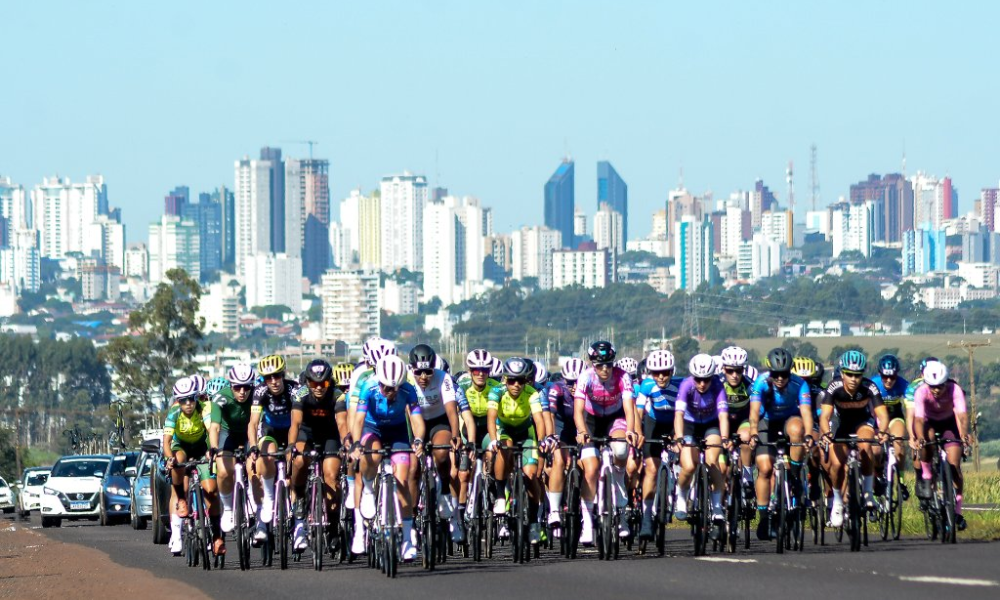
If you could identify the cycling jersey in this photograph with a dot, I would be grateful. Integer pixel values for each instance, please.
(440, 391)
(379, 412)
(895, 395)
(515, 412)
(604, 398)
(857, 408)
(778, 405)
(951, 402)
(738, 397)
(911, 390)
(657, 402)
(276, 410)
(234, 416)
(477, 399)
(319, 415)
(560, 402)
(191, 429)
(698, 407)
(361, 373)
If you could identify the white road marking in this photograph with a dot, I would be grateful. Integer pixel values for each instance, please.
(951, 581)
(726, 560)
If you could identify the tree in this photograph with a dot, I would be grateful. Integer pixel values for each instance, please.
(166, 334)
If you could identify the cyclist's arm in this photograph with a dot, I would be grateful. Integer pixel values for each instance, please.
(293, 429)
(960, 409)
(678, 424)
(824, 418)
(579, 414)
(470, 425)
(254, 424)
(417, 425)
(539, 420)
(491, 423)
(167, 439)
(882, 417)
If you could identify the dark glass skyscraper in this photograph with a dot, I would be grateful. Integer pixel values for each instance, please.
(224, 198)
(611, 188)
(277, 197)
(207, 213)
(560, 202)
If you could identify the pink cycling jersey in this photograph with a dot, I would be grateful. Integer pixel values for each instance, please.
(603, 398)
(951, 402)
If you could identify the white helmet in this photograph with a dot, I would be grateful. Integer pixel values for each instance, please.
(572, 370)
(201, 383)
(717, 364)
(391, 371)
(541, 373)
(628, 364)
(751, 372)
(733, 356)
(935, 373)
(496, 368)
(701, 366)
(375, 348)
(660, 360)
(241, 374)
(186, 387)
(479, 359)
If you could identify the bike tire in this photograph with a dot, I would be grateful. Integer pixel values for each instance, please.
(203, 530)
(474, 534)
(662, 509)
(242, 537)
(572, 514)
(949, 529)
(781, 508)
(896, 504)
(608, 528)
(281, 517)
(318, 529)
(854, 508)
(391, 534)
(427, 521)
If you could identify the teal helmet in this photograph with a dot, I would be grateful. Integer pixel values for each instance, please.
(216, 386)
(853, 360)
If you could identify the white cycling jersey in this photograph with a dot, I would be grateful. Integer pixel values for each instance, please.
(440, 391)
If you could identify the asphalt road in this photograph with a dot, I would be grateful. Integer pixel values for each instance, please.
(908, 568)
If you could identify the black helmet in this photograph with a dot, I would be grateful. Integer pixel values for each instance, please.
(518, 367)
(643, 370)
(531, 371)
(818, 376)
(779, 360)
(601, 353)
(318, 371)
(422, 357)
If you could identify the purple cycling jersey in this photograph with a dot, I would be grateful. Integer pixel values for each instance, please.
(698, 407)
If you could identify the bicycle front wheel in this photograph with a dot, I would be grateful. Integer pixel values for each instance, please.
(281, 519)
(948, 526)
(318, 529)
(240, 528)
(781, 510)
(896, 504)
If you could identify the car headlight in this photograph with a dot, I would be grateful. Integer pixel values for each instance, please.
(50, 492)
(117, 491)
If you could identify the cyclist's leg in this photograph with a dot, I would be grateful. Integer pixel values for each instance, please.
(867, 453)
(765, 457)
(948, 429)
(300, 468)
(529, 466)
(556, 478)
(714, 438)
(590, 464)
(441, 435)
(689, 462)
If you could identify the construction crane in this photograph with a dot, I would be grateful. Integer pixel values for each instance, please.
(310, 142)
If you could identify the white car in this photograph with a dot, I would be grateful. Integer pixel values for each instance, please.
(6, 497)
(73, 489)
(30, 495)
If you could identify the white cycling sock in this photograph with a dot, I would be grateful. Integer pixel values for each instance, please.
(268, 490)
(359, 521)
(368, 485)
(585, 512)
(869, 483)
(350, 486)
(175, 526)
(619, 475)
(227, 502)
(838, 498)
(555, 501)
(408, 533)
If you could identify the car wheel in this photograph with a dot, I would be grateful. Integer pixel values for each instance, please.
(8, 511)
(140, 523)
(160, 534)
(51, 522)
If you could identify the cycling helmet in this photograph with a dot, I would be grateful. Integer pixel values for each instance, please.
(201, 382)
(342, 373)
(241, 374)
(924, 362)
(318, 371)
(733, 356)
(935, 373)
(818, 376)
(643, 370)
(751, 372)
(628, 364)
(701, 366)
(496, 368)
(541, 374)
(186, 387)
(391, 371)
(660, 360)
(853, 360)
(779, 360)
(517, 367)
(441, 364)
(888, 365)
(270, 365)
(804, 367)
(601, 353)
(216, 385)
(422, 357)
(572, 369)
(479, 359)
(717, 362)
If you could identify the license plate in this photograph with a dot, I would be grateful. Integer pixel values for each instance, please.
(79, 505)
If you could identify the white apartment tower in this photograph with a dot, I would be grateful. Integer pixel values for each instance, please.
(62, 212)
(852, 227)
(351, 309)
(252, 197)
(403, 198)
(174, 243)
(274, 279)
(609, 229)
(531, 253)
(587, 268)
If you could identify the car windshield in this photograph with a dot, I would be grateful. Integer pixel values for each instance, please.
(37, 478)
(80, 468)
(147, 466)
(121, 462)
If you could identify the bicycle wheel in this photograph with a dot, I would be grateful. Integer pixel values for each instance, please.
(948, 527)
(241, 534)
(474, 529)
(390, 535)
(345, 518)
(854, 508)
(203, 531)
(428, 516)
(662, 504)
(318, 529)
(896, 504)
(190, 547)
(697, 516)
(608, 528)
(883, 506)
(281, 520)
(781, 508)
(572, 515)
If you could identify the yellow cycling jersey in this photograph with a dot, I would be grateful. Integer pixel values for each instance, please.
(514, 412)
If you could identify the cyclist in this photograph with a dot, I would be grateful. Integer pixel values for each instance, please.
(514, 415)
(189, 434)
(270, 420)
(477, 387)
(893, 389)
(233, 399)
(439, 409)
(780, 402)
(319, 418)
(701, 413)
(812, 373)
(656, 402)
(563, 428)
(386, 405)
(342, 377)
(861, 412)
(939, 408)
(603, 406)
(738, 385)
(372, 351)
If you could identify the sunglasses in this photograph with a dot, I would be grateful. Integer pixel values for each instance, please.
(516, 381)
(183, 401)
(423, 372)
(850, 374)
(702, 379)
(667, 373)
(733, 370)
(318, 384)
(570, 382)
(386, 390)
(781, 374)
(602, 366)
(480, 370)
(242, 388)
(274, 376)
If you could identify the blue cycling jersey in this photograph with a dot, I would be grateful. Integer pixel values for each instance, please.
(780, 404)
(894, 395)
(656, 401)
(379, 412)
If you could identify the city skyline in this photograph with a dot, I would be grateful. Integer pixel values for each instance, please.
(723, 110)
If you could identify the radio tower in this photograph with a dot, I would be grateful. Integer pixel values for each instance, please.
(791, 188)
(813, 175)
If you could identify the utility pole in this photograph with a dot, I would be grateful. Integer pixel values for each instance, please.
(970, 349)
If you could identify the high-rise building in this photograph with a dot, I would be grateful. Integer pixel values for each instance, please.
(692, 252)
(777, 225)
(20, 262)
(340, 246)
(350, 220)
(531, 253)
(403, 198)
(307, 185)
(227, 203)
(928, 201)
(734, 230)
(174, 243)
(351, 310)
(14, 210)
(136, 261)
(220, 307)
(63, 211)
(891, 196)
(276, 205)
(252, 210)
(923, 251)
(852, 227)
(609, 229)
(455, 259)
(207, 214)
(560, 202)
(988, 198)
(106, 239)
(681, 203)
(766, 256)
(274, 279)
(498, 261)
(761, 201)
(586, 268)
(370, 231)
(611, 188)
(176, 200)
(659, 231)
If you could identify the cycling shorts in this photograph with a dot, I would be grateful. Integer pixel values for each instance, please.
(397, 438)
(267, 433)
(946, 428)
(330, 441)
(655, 430)
(230, 441)
(694, 432)
(194, 451)
(524, 434)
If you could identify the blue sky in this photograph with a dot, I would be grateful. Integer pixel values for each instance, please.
(485, 98)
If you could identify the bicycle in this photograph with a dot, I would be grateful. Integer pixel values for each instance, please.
(318, 521)
(570, 513)
(608, 512)
(197, 540)
(345, 514)
(243, 512)
(477, 517)
(117, 437)
(281, 526)
(384, 528)
(740, 503)
(940, 510)
(788, 498)
(857, 524)
(699, 501)
(432, 540)
(75, 438)
(889, 505)
(519, 522)
(665, 494)
(817, 509)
